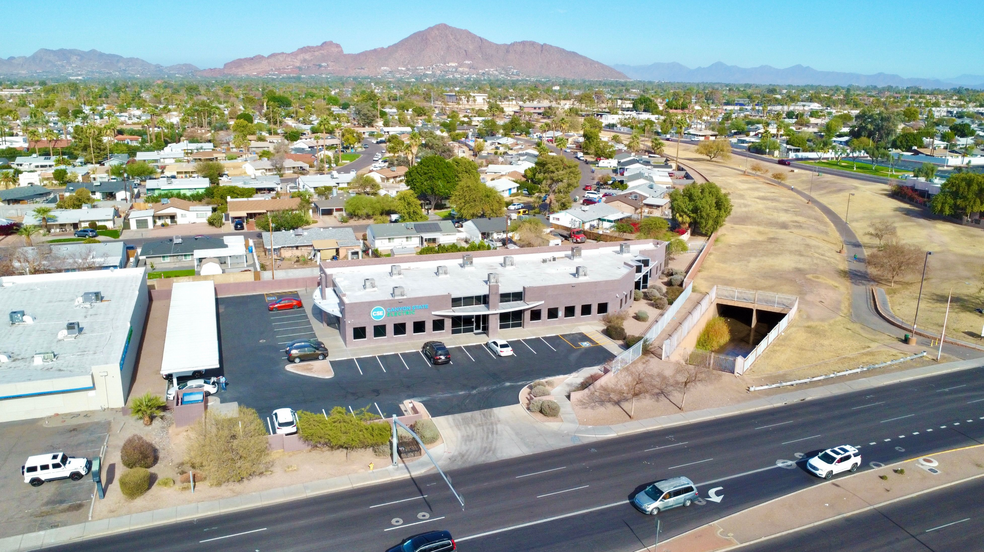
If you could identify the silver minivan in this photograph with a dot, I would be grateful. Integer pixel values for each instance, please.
(665, 494)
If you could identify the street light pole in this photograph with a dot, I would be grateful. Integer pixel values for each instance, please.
(810, 200)
(919, 298)
(848, 214)
(656, 545)
(273, 252)
(943, 333)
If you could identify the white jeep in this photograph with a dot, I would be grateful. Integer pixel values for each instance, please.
(55, 465)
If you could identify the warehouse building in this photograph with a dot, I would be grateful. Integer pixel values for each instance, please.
(427, 297)
(72, 341)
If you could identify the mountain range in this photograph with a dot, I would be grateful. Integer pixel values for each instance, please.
(71, 63)
(795, 75)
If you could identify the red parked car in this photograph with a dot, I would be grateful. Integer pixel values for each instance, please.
(588, 187)
(286, 303)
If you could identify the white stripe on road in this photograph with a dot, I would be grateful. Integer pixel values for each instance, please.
(548, 345)
(540, 472)
(378, 410)
(774, 425)
(230, 536)
(398, 501)
(690, 463)
(357, 366)
(415, 523)
(737, 475)
(380, 364)
(293, 334)
(947, 525)
(975, 401)
(423, 357)
(798, 440)
(899, 418)
(403, 361)
(527, 346)
(867, 405)
(467, 353)
(949, 388)
(564, 491)
(292, 327)
(539, 521)
(666, 446)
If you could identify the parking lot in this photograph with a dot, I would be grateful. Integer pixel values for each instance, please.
(252, 342)
(26, 509)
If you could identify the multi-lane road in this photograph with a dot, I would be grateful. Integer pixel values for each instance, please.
(577, 498)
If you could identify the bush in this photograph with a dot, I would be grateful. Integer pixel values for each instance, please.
(653, 292)
(677, 280)
(135, 482)
(427, 431)
(165, 482)
(137, 452)
(229, 448)
(102, 227)
(93, 225)
(382, 450)
(637, 295)
(538, 383)
(631, 340)
(215, 220)
(615, 332)
(615, 318)
(672, 293)
(342, 430)
(642, 316)
(540, 391)
(660, 303)
(550, 409)
(535, 405)
(186, 477)
(715, 335)
(672, 272)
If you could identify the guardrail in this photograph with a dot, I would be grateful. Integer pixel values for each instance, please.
(835, 374)
(688, 323)
(635, 351)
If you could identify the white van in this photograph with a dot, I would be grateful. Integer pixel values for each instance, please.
(56, 465)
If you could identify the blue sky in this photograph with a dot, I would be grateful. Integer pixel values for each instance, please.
(938, 39)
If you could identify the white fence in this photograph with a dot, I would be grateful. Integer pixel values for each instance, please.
(764, 298)
(742, 364)
(635, 351)
(836, 374)
(674, 340)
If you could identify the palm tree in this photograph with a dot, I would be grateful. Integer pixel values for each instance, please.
(8, 180)
(147, 407)
(33, 135)
(44, 213)
(50, 135)
(28, 231)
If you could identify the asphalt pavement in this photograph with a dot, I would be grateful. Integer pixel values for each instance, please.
(578, 498)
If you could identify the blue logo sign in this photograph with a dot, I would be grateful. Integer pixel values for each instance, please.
(377, 313)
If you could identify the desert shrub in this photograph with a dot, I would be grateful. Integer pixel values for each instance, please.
(540, 391)
(653, 292)
(781, 177)
(186, 477)
(147, 406)
(586, 382)
(135, 482)
(427, 431)
(715, 334)
(631, 340)
(660, 303)
(642, 316)
(137, 452)
(672, 272)
(216, 220)
(229, 448)
(677, 280)
(165, 482)
(550, 409)
(382, 450)
(615, 318)
(342, 430)
(615, 332)
(538, 383)
(535, 405)
(672, 293)
(637, 295)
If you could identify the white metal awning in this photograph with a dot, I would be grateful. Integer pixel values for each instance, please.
(192, 339)
(329, 303)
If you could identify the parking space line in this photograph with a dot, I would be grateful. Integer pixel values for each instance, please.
(381, 366)
(378, 410)
(467, 353)
(403, 361)
(288, 321)
(548, 345)
(488, 351)
(357, 366)
(423, 357)
(293, 334)
(565, 341)
(527, 346)
(292, 328)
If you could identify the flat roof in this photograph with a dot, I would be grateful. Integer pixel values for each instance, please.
(50, 299)
(419, 277)
(192, 338)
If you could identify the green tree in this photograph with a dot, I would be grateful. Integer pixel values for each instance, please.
(961, 195)
(704, 207)
(364, 184)
(44, 213)
(364, 114)
(212, 170)
(556, 176)
(906, 141)
(653, 228)
(229, 448)
(910, 114)
(714, 149)
(962, 130)
(60, 175)
(408, 207)
(433, 177)
(488, 127)
(473, 199)
(140, 170)
(877, 126)
(28, 231)
(82, 196)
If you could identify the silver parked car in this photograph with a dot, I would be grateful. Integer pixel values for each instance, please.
(665, 494)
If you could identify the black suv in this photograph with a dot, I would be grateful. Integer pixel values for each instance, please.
(433, 541)
(436, 352)
(308, 349)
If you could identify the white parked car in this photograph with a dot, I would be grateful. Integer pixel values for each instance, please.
(193, 385)
(284, 421)
(56, 465)
(592, 195)
(515, 206)
(835, 460)
(500, 347)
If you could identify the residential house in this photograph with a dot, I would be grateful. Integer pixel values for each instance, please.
(588, 217)
(140, 219)
(229, 252)
(30, 178)
(179, 170)
(505, 186)
(208, 155)
(34, 163)
(398, 238)
(127, 139)
(260, 184)
(436, 232)
(180, 211)
(333, 206)
(311, 182)
(71, 257)
(48, 145)
(109, 190)
(183, 186)
(69, 220)
(249, 209)
(519, 167)
(479, 229)
(25, 194)
(321, 244)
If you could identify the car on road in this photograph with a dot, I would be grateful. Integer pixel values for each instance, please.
(193, 385)
(834, 461)
(786, 162)
(285, 303)
(577, 236)
(500, 347)
(665, 494)
(56, 465)
(238, 225)
(284, 421)
(307, 350)
(432, 541)
(517, 206)
(86, 233)
(436, 352)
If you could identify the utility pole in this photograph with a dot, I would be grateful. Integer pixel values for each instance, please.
(939, 353)
(273, 252)
(919, 297)
(848, 214)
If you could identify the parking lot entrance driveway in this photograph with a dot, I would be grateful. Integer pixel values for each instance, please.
(253, 359)
(26, 509)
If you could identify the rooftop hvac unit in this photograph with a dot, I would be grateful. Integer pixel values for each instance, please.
(442, 270)
(71, 331)
(509, 261)
(5, 357)
(582, 272)
(18, 317)
(369, 284)
(493, 278)
(44, 357)
(399, 291)
(177, 239)
(467, 261)
(92, 297)
(575, 252)
(395, 270)
(298, 231)
(624, 249)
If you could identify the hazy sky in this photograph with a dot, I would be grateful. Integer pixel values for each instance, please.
(937, 39)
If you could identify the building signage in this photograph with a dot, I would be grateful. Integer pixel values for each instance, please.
(405, 311)
(377, 313)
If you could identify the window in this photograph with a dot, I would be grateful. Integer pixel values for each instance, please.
(602, 308)
(186, 257)
(165, 258)
(419, 327)
(586, 310)
(536, 315)
(510, 297)
(359, 333)
(512, 319)
(400, 328)
(202, 215)
(437, 325)
(553, 313)
(378, 331)
(569, 311)
(469, 301)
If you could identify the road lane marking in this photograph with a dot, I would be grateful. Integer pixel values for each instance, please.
(690, 463)
(867, 405)
(666, 446)
(798, 440)
(564, 491)
(357, 366)
(774, 425)
(540, 472)
(397, 501)
(899, 418)
(381, 364)
(467, 353)
(403, 361)
(539, 521)
(975, 401)
(230, 536)
(414, 523)
(534, 352)
(949, 388)
(947, 525)
(742, 474)
(548, 345)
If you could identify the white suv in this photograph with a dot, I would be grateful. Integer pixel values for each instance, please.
(56, 465)
(835, 460)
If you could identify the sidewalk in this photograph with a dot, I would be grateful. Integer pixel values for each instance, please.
(844, 496)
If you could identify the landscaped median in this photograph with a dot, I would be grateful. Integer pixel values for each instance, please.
(844, 496)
